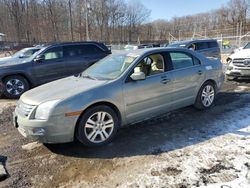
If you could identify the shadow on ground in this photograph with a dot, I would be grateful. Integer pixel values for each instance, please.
(170, 131)
(3, 160)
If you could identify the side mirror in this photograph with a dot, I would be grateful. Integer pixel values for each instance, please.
(39, 58)
(21, 56)
(138, 76)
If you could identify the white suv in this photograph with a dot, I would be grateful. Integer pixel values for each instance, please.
(238, 64)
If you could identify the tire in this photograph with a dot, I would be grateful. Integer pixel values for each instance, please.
(206, 96)
(91, 130)
(15, 86)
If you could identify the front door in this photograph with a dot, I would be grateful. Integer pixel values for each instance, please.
(52, 67)
(149, 97)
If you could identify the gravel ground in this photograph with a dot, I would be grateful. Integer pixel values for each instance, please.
(184, 148)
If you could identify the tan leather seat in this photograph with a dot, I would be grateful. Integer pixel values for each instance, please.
(157, 66)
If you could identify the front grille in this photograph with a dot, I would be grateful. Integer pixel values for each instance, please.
(24, 109)
(241, 62)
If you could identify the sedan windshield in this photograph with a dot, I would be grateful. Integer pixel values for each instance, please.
(110, 67)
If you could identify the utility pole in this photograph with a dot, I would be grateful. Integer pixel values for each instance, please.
(240, 33)
(87, 7)
(71, 24)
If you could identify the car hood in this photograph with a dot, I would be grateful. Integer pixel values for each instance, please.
(9, 61)
(60, 89)
(244, 53)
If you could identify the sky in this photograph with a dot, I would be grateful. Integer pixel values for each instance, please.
(167, 9)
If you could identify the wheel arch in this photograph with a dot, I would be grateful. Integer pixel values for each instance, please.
(212, 81)
(19, 74)
(109, 104)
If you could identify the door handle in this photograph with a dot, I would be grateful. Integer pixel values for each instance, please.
(165, 81)
(200, 72)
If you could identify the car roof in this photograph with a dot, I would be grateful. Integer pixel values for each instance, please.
(139, 52)
(73, 43)
(100, 44)
(196, 40)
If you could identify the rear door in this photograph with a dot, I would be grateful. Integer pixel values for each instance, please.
(152, 96)
(79, 57)
(94, 53)
(52, 67)
(188, 74)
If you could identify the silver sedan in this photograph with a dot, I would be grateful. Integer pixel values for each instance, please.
(123, 88)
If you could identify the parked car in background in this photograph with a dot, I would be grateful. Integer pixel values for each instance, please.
(50, 63)
(208, 47)
(20, 55)
(141, 46)
(238, 64)
(120, 89)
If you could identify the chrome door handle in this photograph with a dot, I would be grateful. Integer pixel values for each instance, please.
(200, 72)
(165, 81)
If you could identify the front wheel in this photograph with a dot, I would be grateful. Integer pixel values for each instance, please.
(206, 96)
(15, 86)
(97, 126)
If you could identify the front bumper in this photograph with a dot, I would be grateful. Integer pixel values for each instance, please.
(58, 129)
(237, 72)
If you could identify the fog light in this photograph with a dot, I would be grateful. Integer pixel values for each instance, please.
(37, 131)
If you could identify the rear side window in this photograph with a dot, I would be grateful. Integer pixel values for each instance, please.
(201, 45)
(81, 50)
(91, 49)
(73, 51)
(213, 44)
(182, 60)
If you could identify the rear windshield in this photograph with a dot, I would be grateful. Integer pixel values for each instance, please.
(247, 46)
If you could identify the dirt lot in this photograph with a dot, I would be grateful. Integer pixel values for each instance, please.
(185, 148)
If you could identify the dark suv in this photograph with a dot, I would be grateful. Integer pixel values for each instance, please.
(52, 62)
(208, 47)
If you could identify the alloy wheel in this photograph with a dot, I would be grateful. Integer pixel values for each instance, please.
(99, 127)
(15, 86)
(207, 96)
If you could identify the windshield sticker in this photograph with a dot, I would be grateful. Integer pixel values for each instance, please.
(133, 55)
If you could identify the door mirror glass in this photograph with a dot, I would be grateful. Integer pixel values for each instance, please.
(21, 56)
(39, 58)
(138, 76)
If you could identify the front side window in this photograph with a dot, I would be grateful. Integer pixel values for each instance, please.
(53, 53)
(151, 65)
(182, 60)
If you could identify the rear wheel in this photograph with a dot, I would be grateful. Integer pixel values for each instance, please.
(15, 86)
(97, 126)
(206, 96)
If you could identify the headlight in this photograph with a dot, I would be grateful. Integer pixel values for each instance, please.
(44, 109)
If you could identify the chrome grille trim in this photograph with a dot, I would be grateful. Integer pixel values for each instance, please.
(241, 62)
(24, 109)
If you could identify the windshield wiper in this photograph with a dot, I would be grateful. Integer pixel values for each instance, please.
(90, 77)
